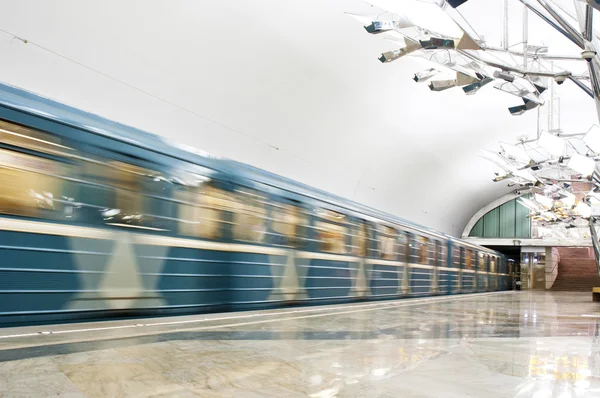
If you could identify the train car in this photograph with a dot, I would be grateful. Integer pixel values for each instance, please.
(98, 219)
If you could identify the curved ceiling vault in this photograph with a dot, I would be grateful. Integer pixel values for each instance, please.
(293, 87)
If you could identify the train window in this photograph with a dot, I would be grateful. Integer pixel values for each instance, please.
(125, 195)
(482, 258)
(420, 250)
(431, 252)
(455, 257)
(402, 247)
(201, 212)
(440, 253)
(468, 259)
(159, 208)
(25, 137)
(493, 264)
(331, 215)
(249, 217)
(387, 242)
(287, 222)
(127, 181)
(29, 187)
(360, 239)
(332, 237)
(423, 250)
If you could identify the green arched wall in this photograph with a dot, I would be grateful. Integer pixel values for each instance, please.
(509, 220)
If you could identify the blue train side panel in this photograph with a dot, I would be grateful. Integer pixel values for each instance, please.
(46, 277)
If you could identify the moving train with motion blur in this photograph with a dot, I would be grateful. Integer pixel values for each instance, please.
(99, 220)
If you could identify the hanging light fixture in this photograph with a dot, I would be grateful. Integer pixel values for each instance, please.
(525, 174)
(516, 152)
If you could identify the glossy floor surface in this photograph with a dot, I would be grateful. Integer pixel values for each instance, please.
(513, 344)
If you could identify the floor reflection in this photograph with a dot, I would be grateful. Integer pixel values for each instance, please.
(502, 345)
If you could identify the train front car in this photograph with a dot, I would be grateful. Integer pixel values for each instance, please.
(95, 226)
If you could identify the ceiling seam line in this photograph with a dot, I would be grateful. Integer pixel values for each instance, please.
(131, 86)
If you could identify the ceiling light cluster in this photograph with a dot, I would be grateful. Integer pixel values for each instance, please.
(435, 32)
(560, 171)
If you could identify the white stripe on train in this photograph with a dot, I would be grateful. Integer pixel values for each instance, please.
(47, 228)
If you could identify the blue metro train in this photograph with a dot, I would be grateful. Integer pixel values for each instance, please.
(99, 219)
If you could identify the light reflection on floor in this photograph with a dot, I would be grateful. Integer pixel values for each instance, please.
(499, 345)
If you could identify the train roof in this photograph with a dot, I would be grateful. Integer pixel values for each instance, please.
(25, 101)
(266, 177)
(34, 104)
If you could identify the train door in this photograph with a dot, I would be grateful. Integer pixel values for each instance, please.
(455, 266)
(468, 272)
(360, 243)
(421, 270)
(329, 277)
(448, 265)
(386, 271)
(442, 270)
(480, 275)
(403, 257)
(285, 225)
(250, 281)
(494, 271)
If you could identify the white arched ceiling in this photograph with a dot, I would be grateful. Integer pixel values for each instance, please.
(290, 86)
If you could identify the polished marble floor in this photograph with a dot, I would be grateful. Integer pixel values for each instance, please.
(513, 344)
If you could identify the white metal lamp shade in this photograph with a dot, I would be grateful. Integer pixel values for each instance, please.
(544, 201)
(525, 174)
(516, 152)
(569, 199)
(552, 144)
(581, 164)
(592, 139)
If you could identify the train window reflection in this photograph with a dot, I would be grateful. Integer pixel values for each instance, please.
(423, 250)
(359, 239)
(440, 253)
(126, 195)
(468, 259)
(287, 222)
(28, 185)
(332, 237)
(201, 212)
(455, 257)
(250, 217)
(24, 137)
(387, 240)
(482, 258)
(127, 181)
(402, 247)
